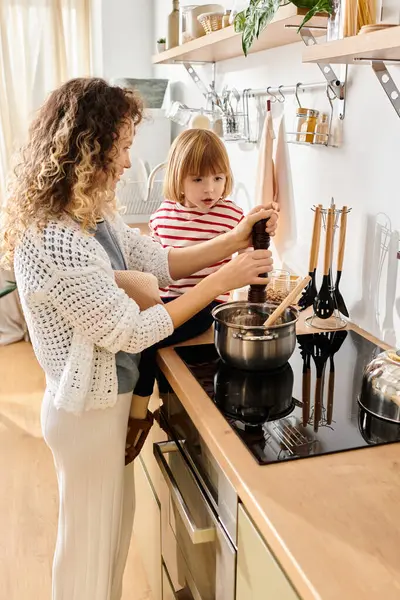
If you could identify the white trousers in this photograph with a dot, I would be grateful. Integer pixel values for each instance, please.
(96, 500)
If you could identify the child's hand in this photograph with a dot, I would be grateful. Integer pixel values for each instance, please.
(242, 231)
(245, 270)
(141, 287)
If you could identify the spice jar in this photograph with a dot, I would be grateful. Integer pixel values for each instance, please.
(308, 127)
(301, 116)
(322, 130)
(226, 18)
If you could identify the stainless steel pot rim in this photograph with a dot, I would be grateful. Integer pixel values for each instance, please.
(377, 414)
(245, 304)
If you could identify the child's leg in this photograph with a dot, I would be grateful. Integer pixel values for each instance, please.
(198, 324)
(88, 453)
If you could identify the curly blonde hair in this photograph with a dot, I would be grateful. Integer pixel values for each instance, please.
(195, 152)
(68, 159)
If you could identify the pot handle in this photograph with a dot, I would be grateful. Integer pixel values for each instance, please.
(255, 338)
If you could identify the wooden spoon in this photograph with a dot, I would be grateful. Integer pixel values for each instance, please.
(290, 298)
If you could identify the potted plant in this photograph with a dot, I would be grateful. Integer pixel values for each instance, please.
(259, 13)
(161, 44)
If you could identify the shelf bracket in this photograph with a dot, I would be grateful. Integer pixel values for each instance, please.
(198, 81)
(386, 81)
(337, 86)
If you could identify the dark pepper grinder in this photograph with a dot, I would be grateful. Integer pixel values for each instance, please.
(261, 240)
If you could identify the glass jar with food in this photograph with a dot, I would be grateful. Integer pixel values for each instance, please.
(308, 127)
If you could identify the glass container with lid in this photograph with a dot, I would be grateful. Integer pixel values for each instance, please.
(380, 392)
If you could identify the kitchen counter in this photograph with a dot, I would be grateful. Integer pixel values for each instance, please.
(331, 521)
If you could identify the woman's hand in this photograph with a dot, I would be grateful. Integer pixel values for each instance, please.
(243, 270)
(242, 231)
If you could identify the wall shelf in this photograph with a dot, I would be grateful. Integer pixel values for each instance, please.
(377, 49)
(225, 43)
(379, 45)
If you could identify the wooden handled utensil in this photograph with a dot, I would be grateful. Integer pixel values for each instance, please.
(338, 298)
(310, 292)
(290, 299)
(323, 303)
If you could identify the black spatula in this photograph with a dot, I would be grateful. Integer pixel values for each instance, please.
(310, 292)
(323, 303)
(337, 296)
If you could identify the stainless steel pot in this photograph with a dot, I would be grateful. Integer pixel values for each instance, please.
(380, 391)
(376, 430)
(242, 341)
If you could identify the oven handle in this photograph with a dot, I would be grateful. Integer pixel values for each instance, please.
(197, 535)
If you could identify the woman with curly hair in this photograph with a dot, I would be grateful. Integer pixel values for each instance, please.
(64, 236)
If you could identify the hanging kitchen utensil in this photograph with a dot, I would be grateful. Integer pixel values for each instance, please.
(336, 340)
(389, 333)
(310, 292)
(337, 296)
(261, 241)
(290, 299)
(323, 303)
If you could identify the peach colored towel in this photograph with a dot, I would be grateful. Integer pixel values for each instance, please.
(141, 287)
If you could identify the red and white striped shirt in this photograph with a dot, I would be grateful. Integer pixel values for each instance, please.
(178, 226)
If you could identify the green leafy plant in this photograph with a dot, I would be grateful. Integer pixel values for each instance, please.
(161, 41)
(10, 287)
(251, 21)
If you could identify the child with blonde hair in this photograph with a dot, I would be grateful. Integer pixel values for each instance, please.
(198, 182)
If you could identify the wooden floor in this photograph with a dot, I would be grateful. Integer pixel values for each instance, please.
(28, 491)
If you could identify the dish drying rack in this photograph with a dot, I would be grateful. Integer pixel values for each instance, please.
(138, 201)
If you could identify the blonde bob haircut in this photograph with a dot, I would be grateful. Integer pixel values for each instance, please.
(198, 153)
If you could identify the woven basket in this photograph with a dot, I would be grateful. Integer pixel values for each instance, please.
(211, 21)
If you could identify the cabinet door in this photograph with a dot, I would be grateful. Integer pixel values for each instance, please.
(168, 592)
(259, 576)
(146, 530)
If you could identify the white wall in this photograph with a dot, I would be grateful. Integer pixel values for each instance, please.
(363, 173)
(122, 38)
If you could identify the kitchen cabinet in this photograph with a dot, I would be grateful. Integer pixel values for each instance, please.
(259, 576)
(146, 529)
(147, 525)
(167, 590)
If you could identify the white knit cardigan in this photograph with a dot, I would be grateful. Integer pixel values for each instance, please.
(77, 316)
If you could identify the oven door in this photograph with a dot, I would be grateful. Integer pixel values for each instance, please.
(199, 557)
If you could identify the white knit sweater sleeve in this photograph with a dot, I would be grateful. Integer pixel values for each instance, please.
(142, 253)
(80, 285)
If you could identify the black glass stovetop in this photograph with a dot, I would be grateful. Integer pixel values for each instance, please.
(306, 408)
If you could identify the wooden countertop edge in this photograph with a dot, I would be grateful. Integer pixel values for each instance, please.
(181, 380)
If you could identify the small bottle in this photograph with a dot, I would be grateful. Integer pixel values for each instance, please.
(322, 130)
(226, 18)
(308, 127)
(301, 116)
(173, 26)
